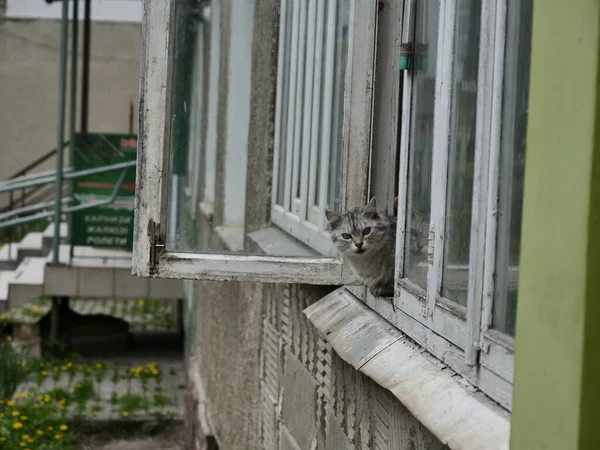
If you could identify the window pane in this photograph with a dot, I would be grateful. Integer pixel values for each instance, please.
(512, 162)
(462, 151)
(210, 127)
(421, 141)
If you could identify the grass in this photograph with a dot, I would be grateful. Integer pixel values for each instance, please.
(46, 419)
(14, 366)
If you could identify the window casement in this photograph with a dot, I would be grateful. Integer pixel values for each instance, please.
(200, 110)
(442, 130)
(461, 144)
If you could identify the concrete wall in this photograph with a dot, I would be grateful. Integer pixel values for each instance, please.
(273, 383)
(29, 69)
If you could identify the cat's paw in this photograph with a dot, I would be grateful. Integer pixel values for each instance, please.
(382, 291)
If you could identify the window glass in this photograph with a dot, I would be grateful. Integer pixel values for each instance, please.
(462, 151)
(512, 163)
(209, 136)
(421, 141)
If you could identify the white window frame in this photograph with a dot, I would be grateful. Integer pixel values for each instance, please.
(299, 215)
(150, 258)
(463, 338)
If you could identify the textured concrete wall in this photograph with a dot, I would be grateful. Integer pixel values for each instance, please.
(228, 318)
(29, 53)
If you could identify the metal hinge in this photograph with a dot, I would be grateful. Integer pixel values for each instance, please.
(157, 246)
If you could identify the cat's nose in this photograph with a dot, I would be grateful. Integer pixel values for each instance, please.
(358, 244)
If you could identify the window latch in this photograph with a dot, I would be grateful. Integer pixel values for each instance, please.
(156, 246)
(406, 56)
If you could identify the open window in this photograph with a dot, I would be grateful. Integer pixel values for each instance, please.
(244, 142)
(461, 118)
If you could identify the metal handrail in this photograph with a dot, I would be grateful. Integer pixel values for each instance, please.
(67, 175)
(67, 210)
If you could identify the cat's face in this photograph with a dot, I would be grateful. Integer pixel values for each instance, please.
(359, 231)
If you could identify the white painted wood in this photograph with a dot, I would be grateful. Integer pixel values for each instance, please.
(314, 211)
(291, 104)
(452, 410)
(278, 144)
(441, 147)
(327, 110)
(102, 10)
(494, 170)
(156, 41)
(303, 230)
(273, 269)
(307, 108)
(151, 211)
(210, 158)
(297, 112)
(486, 96)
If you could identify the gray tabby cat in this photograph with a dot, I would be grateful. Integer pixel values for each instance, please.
(367, 239)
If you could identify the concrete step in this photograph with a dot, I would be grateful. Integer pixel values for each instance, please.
(8, 256)
(27, 282)
(48, 234)
(6, 277)
(96, 272)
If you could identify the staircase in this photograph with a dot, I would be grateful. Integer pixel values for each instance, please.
(27, 273)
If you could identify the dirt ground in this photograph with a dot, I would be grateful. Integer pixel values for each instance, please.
(168, 439)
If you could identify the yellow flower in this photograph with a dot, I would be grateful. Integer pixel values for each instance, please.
(17, 425)
(61, 402)
(98, 366)
(1, 402)
(23, 444)
(58, 436)
(23, 417)
(2, 438)
(64, 427)
(50, 428)
(10, 403)
(47, 398)
(15, 413)
(43, 373)
(140, 302)
(39, 432)
(125, 414)
(69, 364)
(55, 369)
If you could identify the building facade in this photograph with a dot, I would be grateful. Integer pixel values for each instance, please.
(257, 116)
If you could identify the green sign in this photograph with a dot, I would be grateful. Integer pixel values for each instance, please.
(110, 225)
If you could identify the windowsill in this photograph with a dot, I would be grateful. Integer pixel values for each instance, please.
(232, 237)
(276, 242)
(452, 409)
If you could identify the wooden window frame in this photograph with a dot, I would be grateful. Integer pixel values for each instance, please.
(461, 337)
(150, 258)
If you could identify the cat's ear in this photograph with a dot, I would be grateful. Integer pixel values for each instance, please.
(334, 219)
(371, 208)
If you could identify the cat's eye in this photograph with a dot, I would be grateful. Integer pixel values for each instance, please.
(346, 236)
(366, 231)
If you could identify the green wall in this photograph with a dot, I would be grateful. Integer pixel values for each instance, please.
(557, 382)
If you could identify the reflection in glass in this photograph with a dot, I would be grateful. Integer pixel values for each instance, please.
(309, 122)
(421, 142)
(210, 119)
(462, 151)
(512, 163)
